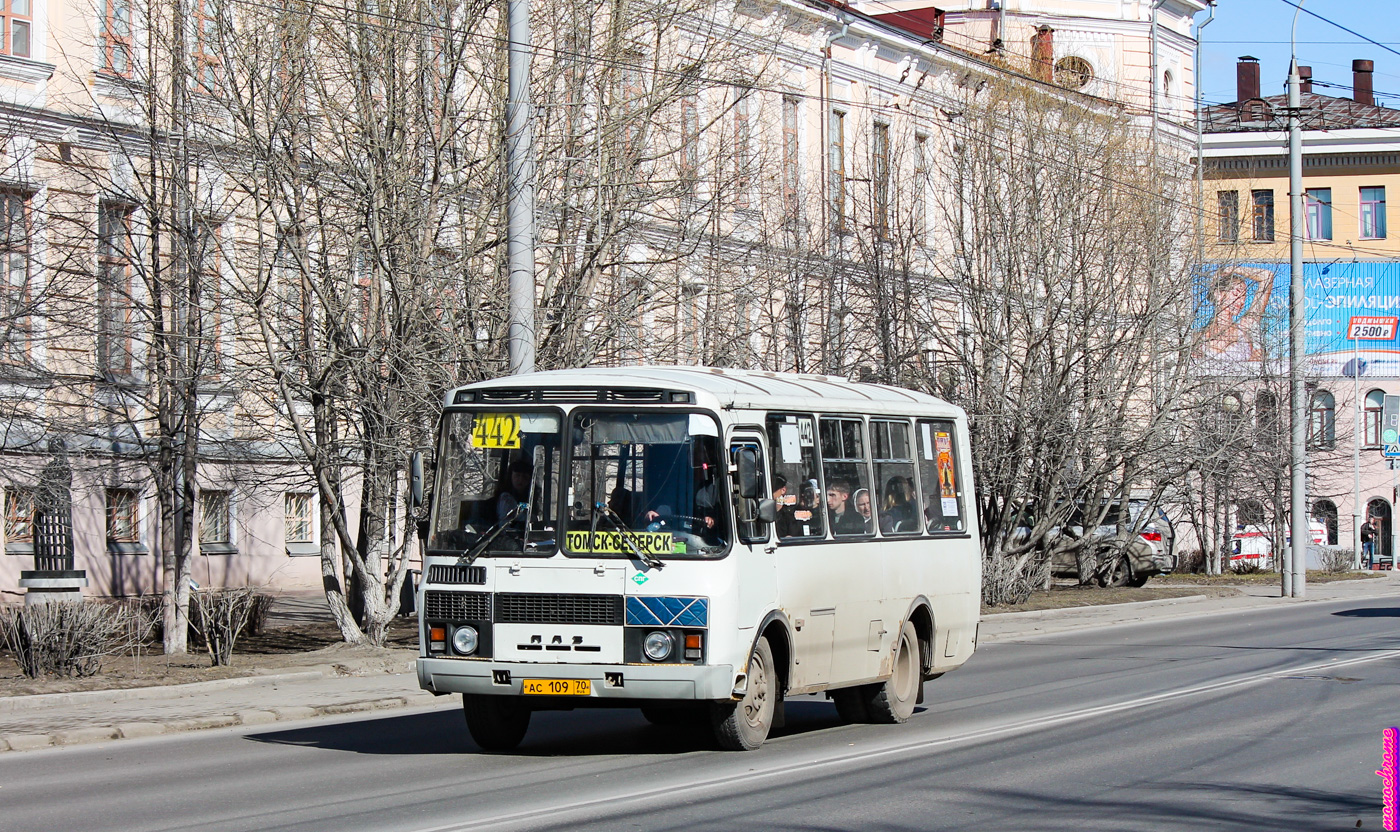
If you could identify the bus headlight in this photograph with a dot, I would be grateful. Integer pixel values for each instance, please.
(657, 645)
(464, 640)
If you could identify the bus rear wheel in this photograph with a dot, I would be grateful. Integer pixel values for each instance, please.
(744, 725)
(891, 701)
(496, 723)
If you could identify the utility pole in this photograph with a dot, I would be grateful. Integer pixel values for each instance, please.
(1295, 572)
(520, 192)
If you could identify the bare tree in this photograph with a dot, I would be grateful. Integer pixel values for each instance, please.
(1071, 317)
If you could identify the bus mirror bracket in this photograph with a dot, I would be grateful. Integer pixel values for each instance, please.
(415, 478)
(767, 511)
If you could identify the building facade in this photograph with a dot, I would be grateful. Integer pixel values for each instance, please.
(244, 253)
(1351, 161)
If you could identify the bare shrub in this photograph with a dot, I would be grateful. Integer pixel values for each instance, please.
(1334, 559)
(257, 617)
(1011, 586)
(69, 639)
(1245, 567)
(1191, 561)
(220, 616)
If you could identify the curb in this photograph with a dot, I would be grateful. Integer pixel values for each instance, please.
(136, 730)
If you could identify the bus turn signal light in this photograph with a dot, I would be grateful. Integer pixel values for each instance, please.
(693, 644)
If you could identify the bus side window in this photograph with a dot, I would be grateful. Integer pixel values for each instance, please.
(938, 470)
(899, 506)
(849, 504)
(792, 449)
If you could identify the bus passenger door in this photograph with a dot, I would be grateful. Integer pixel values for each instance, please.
(753, 543)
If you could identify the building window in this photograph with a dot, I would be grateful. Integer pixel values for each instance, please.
(116, 37)
(208, 259)
(204, 16)
(1229, 205)
(1073, 72)
(15, 311)
(1325, 511)
(880, 174)
(1373, 213)
(791, 159)
(215, 522)
(115, 309)
(743, 150)
(690, 142)
(18, 19)
(838, 171)
(19, 521)
(1263, 216)
(1375, 406)
(297, 531)
(124, 522)
(920, 218)
(1319, 207)
(1322, 426)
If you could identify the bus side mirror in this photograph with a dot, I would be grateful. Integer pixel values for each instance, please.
(767, 511)
(750, 479)
(415, 478)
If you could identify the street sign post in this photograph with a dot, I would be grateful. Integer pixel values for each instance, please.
(1390, 427)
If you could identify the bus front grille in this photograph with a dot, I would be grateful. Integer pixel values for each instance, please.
(457, 606)
(557, 608)
(455, 574)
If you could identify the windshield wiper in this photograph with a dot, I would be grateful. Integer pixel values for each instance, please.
(601, 509)
(492, 533)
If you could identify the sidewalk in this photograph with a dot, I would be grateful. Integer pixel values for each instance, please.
(356, 685)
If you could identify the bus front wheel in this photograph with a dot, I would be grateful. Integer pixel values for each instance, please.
(744, 725)
(496, 723)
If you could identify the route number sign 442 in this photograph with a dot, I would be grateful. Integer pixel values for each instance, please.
(1371, 328)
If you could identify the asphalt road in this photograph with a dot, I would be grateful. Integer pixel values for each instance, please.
(1268, 719)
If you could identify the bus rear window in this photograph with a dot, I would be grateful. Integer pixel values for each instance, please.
(938, 470)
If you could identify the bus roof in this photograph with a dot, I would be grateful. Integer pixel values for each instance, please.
(725, 387)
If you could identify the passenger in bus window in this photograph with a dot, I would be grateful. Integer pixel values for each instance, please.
(808, 514)
(844, 519)
(862, 501)
(898, 514)
(786, 525)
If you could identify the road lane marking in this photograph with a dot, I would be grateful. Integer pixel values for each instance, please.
(639, 796)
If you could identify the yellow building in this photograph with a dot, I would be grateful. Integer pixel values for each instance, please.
(1351, 165)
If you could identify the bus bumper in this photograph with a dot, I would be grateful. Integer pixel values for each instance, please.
(661, 681)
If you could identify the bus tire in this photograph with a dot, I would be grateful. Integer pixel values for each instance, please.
(496, 723)
(892, 701)
(850, 705)
(744, 725)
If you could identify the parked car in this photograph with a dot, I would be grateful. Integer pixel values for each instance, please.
(1151, 551)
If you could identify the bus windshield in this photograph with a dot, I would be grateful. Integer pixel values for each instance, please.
(646, 483)
(497, 484)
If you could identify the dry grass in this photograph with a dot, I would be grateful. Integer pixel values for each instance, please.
(1257, 578)
(275, 649)
(1069, 595)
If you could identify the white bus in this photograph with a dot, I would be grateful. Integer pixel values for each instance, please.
(699, 543)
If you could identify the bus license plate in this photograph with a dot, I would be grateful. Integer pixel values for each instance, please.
(556, 687)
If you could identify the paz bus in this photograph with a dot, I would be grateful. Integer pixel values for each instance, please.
(699, 543)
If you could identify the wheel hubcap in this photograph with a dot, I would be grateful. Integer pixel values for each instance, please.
(758, 695)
